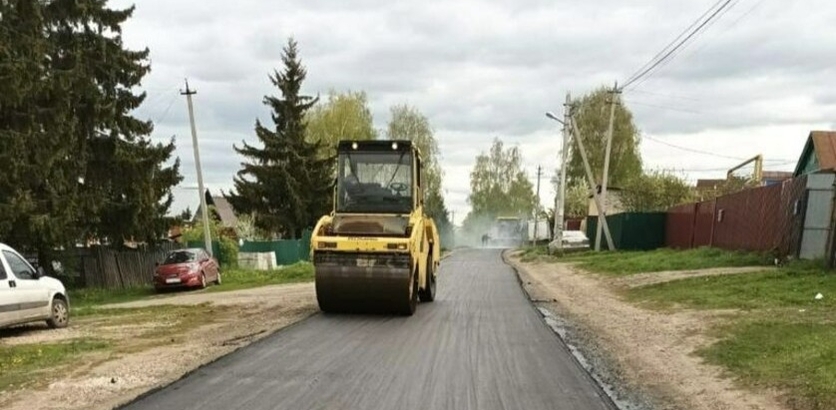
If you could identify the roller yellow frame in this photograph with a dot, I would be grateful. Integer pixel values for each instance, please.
(377, 251)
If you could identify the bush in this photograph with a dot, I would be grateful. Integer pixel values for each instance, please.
(228, 253)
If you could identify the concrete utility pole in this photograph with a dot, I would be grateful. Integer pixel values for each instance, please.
(602, 220)
(207, 235)
(560, 202)
(537, 206)
(603, 208)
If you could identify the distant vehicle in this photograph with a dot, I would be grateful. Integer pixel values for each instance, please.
(187, 268)
(28, 295)
(507, 231)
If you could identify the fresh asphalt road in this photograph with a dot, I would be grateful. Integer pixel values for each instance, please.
(480, 345)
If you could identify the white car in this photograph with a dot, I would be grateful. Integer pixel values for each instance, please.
(26, 295)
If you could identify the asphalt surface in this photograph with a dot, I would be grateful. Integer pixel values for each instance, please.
(480, 345)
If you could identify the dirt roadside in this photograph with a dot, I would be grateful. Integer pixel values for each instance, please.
(653, 352)
(153, 353)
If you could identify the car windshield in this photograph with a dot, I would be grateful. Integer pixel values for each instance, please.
(370, 182)
(179, 257)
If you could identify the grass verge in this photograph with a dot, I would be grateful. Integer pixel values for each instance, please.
(786, 339)
(84, 301)
(21, 365)
(633, 262)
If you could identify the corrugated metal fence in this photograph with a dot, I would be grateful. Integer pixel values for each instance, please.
(760, 219)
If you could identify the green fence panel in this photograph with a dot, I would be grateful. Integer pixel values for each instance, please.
(305, 245)
(631, 231)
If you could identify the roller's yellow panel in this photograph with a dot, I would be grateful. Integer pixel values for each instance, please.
(377, 251)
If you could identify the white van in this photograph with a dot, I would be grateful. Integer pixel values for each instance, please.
(26, 295)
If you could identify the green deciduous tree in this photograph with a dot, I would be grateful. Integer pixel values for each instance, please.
(592, 114)
(407, 123)
(499, 186)
(285, 183)
(345, 116)
(655, 191)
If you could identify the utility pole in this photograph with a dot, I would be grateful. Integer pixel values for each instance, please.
(603, 208)
(560, 209)
(207, 236)
(602, 220)
(537, 206)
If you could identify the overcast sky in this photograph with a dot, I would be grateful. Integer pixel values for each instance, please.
(755, 82)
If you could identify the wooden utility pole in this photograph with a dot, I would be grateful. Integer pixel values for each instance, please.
(207, 235)
(602, 220)
(603, 208)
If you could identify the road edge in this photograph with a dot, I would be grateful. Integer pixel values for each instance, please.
(551, 320)
(258, 339)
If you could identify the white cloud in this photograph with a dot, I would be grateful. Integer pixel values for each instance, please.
(756, 82)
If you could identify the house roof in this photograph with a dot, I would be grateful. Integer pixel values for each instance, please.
(223, 209)
(822, 144)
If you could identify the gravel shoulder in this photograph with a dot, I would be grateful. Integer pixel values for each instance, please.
(650, 351)
(149, 354)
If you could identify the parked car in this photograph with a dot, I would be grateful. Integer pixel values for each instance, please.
(28, 295)
(187, 268)
(572, 241)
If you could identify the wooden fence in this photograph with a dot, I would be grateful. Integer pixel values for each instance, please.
(100, 267)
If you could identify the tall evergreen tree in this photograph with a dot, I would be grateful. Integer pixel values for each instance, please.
(66, 98)
(126, 191)
(284, 184)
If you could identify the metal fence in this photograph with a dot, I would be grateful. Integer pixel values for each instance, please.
(762, 219)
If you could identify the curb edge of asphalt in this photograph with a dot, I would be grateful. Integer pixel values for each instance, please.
(165, 385)
(604, 391)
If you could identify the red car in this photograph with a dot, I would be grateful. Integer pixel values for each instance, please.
(187, 268)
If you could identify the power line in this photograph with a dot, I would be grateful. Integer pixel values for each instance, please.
(669, 45)
(667, 54)
(685, 46)
(665, 107)
(698, 151)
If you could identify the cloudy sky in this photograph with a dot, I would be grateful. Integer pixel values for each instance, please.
(755, 82)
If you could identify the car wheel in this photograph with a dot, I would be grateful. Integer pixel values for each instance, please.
(59, 314)
(202, 280)
(218, 281)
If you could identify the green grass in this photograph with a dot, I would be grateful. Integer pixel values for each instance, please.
(84, 301)
(633, 262)
(787, 287)
(244, 279)
(786, 339)
(23, 364)
(797, 357)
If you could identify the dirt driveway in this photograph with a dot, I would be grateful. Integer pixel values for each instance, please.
(651, 351)
(152, 343)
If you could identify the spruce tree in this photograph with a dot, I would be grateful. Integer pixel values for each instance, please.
(284, 183)
(126, 191)
(76, 163)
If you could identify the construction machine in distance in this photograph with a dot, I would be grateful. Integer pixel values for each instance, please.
(377, 252)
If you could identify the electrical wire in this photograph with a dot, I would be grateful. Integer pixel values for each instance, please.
(698, 151)
(647, 71)
(685, 47)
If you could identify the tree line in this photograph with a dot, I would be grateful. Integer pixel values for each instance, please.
(499, 186)
(76, 164)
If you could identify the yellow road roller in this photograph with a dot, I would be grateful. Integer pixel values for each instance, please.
(376, 252)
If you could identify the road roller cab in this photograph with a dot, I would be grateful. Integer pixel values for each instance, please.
(377, 251)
